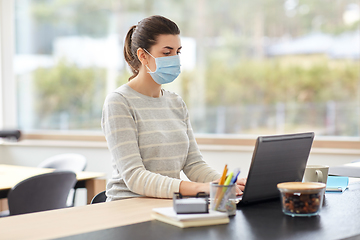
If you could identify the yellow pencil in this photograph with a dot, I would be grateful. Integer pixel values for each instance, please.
(222, 180)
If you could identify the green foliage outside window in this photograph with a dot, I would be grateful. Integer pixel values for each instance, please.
(67, 89)
(270, 81)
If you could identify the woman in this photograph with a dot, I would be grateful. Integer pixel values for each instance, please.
(147, 128)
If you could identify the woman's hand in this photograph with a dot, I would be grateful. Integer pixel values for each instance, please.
(240, 186)
(192, 188)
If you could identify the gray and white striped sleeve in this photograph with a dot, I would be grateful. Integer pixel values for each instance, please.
(196, 169)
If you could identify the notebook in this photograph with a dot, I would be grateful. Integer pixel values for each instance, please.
(337, 183)
(348, 170)
(276, 159)
(168, 215)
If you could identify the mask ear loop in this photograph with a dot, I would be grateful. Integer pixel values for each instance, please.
(147, 64)
(148, 69)
(148, 52)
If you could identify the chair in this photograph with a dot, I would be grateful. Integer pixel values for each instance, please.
(66, 162)
(42, 192)
(99, 198)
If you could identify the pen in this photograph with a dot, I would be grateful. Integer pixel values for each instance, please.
(228, 179)
(233, 180)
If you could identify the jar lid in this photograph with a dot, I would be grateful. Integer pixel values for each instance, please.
(301, 186)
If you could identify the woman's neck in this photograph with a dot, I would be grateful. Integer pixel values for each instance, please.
(144, 84)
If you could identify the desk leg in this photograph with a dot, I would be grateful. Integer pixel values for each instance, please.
(93, 187)
(3, 205)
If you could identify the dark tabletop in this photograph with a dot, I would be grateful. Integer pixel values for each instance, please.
(338, 219)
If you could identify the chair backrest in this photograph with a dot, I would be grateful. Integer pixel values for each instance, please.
(41, 192)
(99, 198)
(66, 162)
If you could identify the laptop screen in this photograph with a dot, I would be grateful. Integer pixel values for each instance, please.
(276, 159)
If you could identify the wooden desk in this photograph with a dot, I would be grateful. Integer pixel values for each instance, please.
(10, 175)
(76, 220)
(131, 219)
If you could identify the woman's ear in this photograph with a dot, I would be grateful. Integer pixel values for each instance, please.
(142, 56)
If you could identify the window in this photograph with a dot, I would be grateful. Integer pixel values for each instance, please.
(248, 67)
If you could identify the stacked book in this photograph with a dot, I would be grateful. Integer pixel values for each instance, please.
(168, 215)
(347, 170)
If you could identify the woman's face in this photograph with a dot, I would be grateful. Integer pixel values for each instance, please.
(167, 45)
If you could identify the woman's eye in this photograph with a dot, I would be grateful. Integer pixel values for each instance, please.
(178, 53)
(167, 53)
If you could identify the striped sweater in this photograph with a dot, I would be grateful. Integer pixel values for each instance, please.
(150, 141)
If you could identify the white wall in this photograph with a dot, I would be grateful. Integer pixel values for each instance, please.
(99, 158)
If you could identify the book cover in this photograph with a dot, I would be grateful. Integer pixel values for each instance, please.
(337, 183)
(168, 215)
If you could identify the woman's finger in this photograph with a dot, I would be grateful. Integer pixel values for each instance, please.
(241, 187)
(239, 192)
(241, 181)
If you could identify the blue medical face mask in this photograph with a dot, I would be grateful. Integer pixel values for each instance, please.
(167, 69)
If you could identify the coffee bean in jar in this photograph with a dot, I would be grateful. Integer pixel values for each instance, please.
(301, 199)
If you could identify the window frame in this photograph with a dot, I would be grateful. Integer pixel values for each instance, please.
(207, 142)
(8, 118)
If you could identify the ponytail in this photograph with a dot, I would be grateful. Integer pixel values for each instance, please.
(131, 57)
(144, 35)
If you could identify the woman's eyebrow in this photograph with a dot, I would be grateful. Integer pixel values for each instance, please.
(171, 48)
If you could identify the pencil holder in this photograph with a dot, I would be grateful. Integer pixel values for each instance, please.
(223, 198)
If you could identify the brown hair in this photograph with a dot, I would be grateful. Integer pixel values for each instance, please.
(144, 35)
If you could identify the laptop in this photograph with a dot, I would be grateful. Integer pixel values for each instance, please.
(276, 159)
